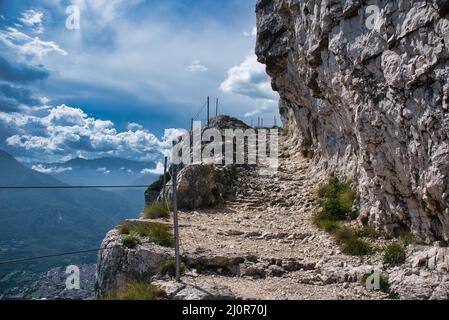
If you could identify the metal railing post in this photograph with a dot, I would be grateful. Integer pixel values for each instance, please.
(164, 198)
(208, 110)
(175, 225)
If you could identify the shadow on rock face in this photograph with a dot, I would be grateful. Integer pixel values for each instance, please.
(443, 7)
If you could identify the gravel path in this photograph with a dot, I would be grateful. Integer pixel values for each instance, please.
(271, 218)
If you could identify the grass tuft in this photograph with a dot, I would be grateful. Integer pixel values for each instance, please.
(356, 247)
(407, 238)
(367, 232)
(168, 267)
(344, 234)
(394, 254)
(138, 291)
(130, 241)
(338, 199)
(157, 210)
(326, 224)
(158, 233)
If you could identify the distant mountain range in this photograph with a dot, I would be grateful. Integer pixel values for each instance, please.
(46, 221)
(107, 170)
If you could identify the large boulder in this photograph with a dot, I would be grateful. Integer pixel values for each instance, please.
(202, 186)
(118, 264)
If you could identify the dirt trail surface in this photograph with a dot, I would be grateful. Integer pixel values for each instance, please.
(271, 219)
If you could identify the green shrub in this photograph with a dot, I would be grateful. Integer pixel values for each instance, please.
(407, 238)
(338, 199)
(130, 241)
(326, 224)
(157, 210)
(367, 232)
(353, 215)
(333, 209)
(384, 284)
(394, 255)
(347, 237)
(345, 234)
(168, 267)
(321, 216)
(158, 233)
(356, 247)
(134, 290)
(347, 198)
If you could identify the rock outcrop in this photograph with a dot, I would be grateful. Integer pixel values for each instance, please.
(226, 122)
(369, 93)
(424, 275)
(118, 264)
(202, 186)
(207, 183)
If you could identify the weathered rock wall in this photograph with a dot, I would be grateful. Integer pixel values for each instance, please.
(372, 103)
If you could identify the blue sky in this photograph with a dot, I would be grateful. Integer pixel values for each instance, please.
(127, 80)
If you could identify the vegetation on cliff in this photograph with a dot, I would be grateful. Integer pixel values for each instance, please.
(158, 233)
(157, 209)
(137, 291)
(337, 199)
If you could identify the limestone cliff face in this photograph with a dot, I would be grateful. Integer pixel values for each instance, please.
(371, 102)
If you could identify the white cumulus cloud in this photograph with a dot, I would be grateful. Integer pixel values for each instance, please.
(50, 170)
(158, 170)
(249, 79)
(251, 33)
(264, 107)
(132, 126)
(103, 170)
(28, 46)
(33, 19)
(63, 131)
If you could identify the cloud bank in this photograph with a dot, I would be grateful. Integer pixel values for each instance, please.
(63, 130)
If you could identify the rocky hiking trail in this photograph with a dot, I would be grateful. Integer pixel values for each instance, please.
(264, 245)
